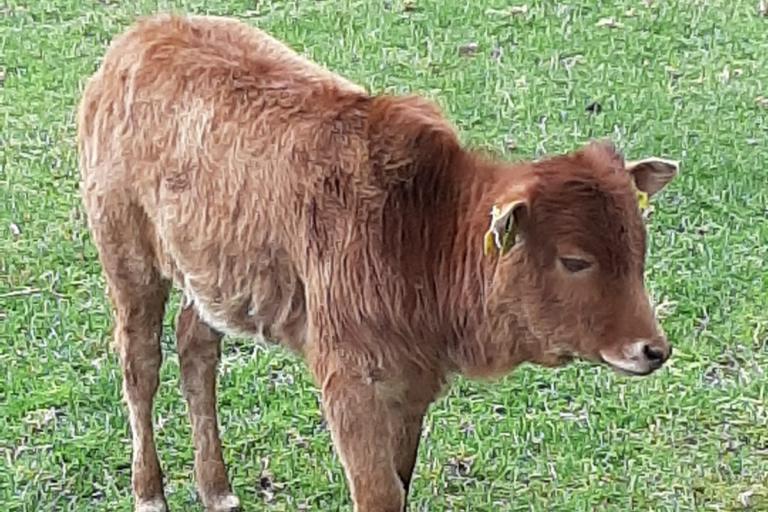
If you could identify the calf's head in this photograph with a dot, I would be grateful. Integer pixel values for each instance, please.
(571, 272)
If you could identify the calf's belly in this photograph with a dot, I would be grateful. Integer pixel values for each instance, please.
(251, 295)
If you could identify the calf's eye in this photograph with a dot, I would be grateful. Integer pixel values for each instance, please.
(575, 264)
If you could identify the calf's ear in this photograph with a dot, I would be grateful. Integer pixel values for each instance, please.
(502, 232)
(652, 174)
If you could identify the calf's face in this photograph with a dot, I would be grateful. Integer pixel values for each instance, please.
(579, 259)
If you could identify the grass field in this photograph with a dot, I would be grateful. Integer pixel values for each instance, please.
(681, 79)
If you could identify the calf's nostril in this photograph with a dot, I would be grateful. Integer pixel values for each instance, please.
(653, 354)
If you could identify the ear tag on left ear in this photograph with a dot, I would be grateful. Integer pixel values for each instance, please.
(488, 243)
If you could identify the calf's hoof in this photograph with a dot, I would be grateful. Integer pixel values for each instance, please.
(151, 505)
(224, 503)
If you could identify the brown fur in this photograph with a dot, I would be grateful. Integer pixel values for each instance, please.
(288, 203)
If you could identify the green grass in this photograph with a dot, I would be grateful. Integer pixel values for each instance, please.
(679, 79)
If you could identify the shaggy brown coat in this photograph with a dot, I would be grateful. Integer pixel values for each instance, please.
(289, 204)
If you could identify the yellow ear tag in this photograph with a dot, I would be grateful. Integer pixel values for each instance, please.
(488, 242)
(642, 200)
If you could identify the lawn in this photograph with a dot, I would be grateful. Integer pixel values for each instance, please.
(686, 80)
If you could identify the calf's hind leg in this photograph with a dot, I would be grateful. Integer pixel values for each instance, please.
(199, 351)
(139, 327)
(138, 294)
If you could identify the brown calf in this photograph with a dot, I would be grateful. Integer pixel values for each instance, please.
(287, 203)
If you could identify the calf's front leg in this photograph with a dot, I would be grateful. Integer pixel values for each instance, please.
(375, 426)
(361, 429)
(407, 434)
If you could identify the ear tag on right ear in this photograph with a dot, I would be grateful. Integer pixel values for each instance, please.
(642, 200)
